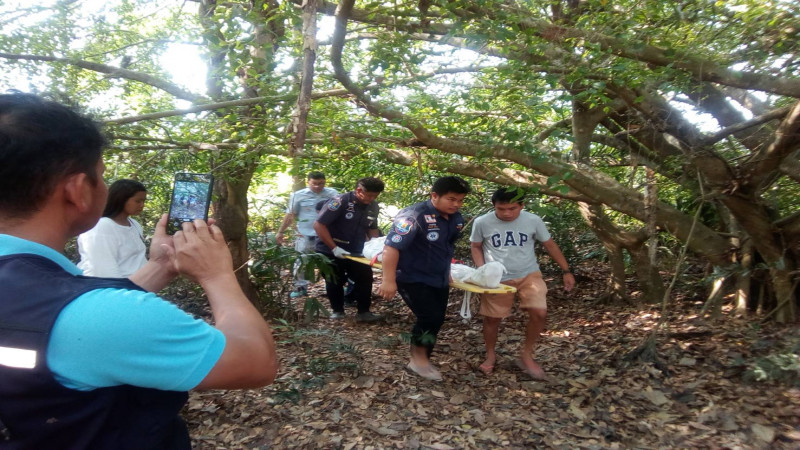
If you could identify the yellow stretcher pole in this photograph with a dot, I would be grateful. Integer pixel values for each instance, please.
(468, 288)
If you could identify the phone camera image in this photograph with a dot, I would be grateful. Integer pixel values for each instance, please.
(191, 198)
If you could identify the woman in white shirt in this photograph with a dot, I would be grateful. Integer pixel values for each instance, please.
(115, 247)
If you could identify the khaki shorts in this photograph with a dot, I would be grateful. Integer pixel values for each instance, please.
(531, 290)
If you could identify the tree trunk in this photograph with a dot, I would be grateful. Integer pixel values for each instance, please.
(756, 222)
(232, 181)
(617, 287)
(647, 274)
(652, 285)
(230, 210)
(713, 305)
(786, 308)
(299, 125)
(608, 234)
(743, 281)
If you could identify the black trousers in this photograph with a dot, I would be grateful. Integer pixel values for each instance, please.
(361, 274)
(429, 305)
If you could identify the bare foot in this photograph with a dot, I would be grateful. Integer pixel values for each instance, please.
(532, 369)
(488, 366)
(426, 371)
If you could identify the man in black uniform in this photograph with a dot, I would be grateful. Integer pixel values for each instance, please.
(416, 263)
(343, 224)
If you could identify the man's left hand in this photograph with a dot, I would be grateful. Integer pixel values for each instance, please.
(162, 249)
(387, 290)
(569, 281)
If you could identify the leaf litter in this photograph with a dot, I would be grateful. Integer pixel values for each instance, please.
(344, 385)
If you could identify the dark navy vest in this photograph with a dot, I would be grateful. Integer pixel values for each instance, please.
(348, 221)
(427, 258)
(36, 411)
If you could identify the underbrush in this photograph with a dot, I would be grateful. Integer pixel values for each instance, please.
(271, 266)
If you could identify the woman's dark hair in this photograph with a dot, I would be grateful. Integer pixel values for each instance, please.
(41, 143)
(118, 194)
(456, 185)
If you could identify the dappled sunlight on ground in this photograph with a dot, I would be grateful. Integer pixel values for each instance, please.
(344, 385)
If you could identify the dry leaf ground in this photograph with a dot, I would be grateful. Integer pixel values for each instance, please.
(344, 385)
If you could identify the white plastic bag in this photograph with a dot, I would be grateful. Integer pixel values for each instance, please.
(374, 247)
(487, 275)
(460, 272)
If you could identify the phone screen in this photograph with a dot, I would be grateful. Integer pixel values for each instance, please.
(191, 197)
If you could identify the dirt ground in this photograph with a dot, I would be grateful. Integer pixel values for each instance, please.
(344, 385)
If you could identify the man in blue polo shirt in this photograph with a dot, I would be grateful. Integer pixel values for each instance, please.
(303, 209)
(416, 263)
(343, 225)
(103, 363)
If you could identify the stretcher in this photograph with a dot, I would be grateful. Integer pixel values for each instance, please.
(468, 288)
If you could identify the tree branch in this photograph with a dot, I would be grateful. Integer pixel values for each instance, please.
(114, 72)
(790, 166)
(504, 176)
(220, 105)
(593, 185)
(374, 18)
(776, 114)
(701, 69)
(277, 98)
(787, 140)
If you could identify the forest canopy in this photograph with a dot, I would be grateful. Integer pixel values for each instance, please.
(664, 125)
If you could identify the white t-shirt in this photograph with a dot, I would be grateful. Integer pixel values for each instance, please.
(511, 243)
(303, 204)
(112, 250)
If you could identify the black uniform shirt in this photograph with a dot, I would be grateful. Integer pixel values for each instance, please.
(426, 241)
(347, 220)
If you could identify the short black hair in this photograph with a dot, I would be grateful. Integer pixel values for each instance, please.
(316, 175)
(454, 184)
(41, 143)
(118, 194)
(370, 184)
(509, 195)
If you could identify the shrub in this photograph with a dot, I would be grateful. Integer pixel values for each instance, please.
(271, 267)
(781, 367)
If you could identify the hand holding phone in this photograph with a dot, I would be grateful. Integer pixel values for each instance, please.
(191, 198)
(202, 254)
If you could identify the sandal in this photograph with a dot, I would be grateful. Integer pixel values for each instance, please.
(537, 375)
(487, 369)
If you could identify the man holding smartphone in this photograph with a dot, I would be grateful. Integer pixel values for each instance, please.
(302, 209)
(103, 362)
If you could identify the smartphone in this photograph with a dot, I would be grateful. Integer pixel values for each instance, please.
(191, 197)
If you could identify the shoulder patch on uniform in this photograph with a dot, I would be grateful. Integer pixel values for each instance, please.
(403, 226)
(333, 205)
(396, 238)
